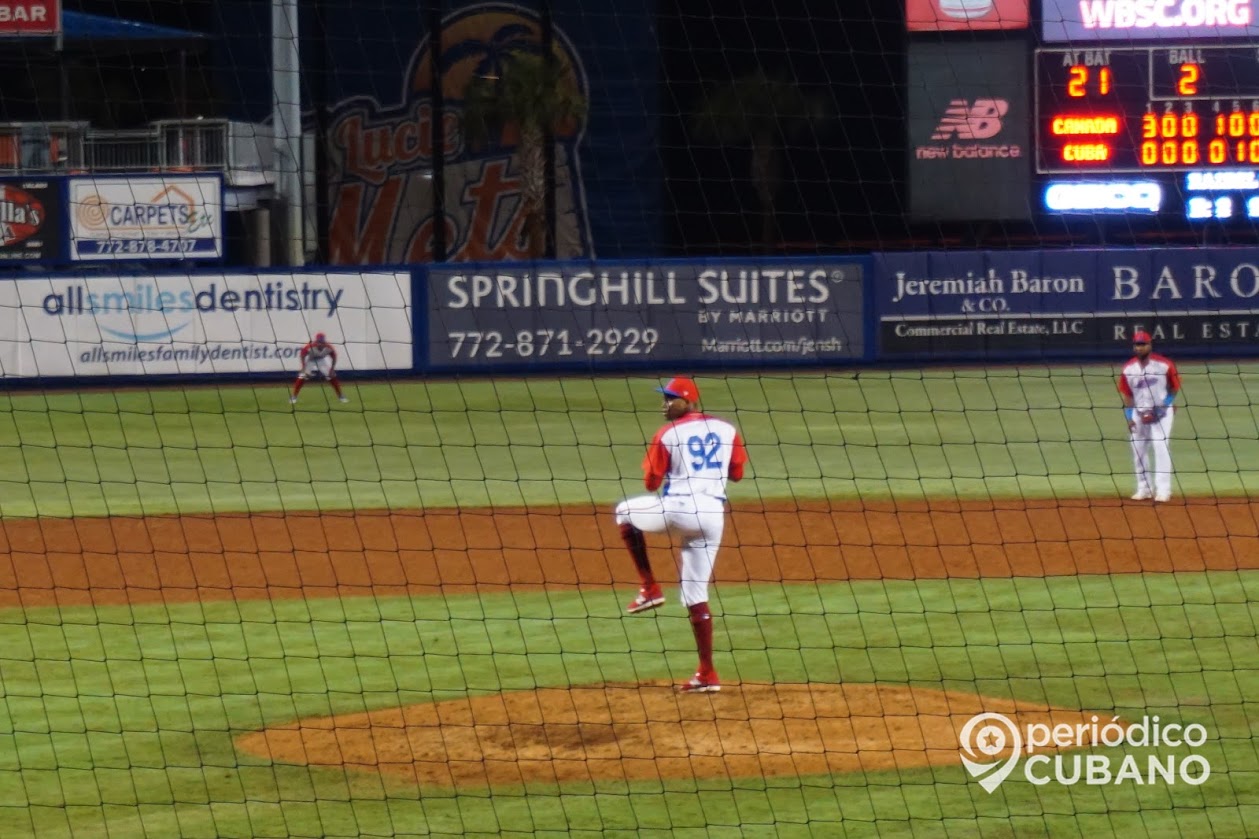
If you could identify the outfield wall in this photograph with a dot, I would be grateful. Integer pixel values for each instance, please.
(991, 305)
(127, 326)
(608, 316)
(465, 318)
(683, 314)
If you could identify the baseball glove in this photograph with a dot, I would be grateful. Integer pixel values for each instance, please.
(1149, 416)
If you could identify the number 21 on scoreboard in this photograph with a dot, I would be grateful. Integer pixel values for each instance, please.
(1078, 79)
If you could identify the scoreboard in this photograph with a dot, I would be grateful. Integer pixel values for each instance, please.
(1147, 109)
(1120, 110)
(1169, 131)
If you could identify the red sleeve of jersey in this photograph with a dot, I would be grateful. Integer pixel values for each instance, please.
(305, 351)
(1173, 378)
(738, 459)
(656, 462)
(1124, 387)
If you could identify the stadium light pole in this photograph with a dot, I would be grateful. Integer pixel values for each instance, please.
(551, 247)
(286, 124)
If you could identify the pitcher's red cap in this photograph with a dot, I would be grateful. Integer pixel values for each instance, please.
(1141, 338)
(681, 388)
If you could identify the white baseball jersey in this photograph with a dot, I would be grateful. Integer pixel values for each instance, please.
(314, 352)
(1148, 384)
(695, 455)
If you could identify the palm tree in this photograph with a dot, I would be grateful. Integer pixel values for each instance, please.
(533, 99)
(490, 53)
(766, 113)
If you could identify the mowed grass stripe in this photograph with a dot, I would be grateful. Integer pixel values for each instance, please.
(120, 716)
(1032, 432)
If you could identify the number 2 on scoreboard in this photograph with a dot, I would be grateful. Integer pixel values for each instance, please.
(1187, 84)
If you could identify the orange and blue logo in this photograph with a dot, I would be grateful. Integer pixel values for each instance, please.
(382, 156)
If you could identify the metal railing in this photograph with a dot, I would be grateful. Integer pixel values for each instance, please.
(196, 144)
(120, 151)
(41, 147)
(241, 151)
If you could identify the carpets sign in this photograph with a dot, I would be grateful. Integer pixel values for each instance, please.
(171, 217)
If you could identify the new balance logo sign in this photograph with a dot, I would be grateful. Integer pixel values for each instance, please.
(966, 121)
(963, 128)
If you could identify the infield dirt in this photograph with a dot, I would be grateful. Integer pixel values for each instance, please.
(276, 555)
(628, 732)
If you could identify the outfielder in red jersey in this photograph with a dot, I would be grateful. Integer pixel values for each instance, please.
(319, 360)
(689, 461)
(1148, 384)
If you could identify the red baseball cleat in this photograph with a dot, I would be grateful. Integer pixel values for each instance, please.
(701, 683)
(648, 598)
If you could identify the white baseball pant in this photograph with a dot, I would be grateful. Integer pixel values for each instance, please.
(320, 366)
(698, 521)
(1154, 473)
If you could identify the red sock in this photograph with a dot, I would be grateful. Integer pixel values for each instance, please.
(636, 544)
(336, 386)
(297, 388)
(702, 626)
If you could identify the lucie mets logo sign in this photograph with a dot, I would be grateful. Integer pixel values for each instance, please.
(382, 155)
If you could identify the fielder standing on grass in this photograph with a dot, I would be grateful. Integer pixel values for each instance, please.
(689, 460)
(1148, 384)
(319, 361)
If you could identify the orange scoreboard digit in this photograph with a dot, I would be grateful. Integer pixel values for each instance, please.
(1147, 109)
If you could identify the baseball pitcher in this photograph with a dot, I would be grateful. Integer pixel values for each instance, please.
(689, 461)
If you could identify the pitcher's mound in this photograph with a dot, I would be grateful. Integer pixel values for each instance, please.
(647, 731)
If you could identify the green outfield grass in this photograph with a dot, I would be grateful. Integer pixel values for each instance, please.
(1031, 432)
(118, 721)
